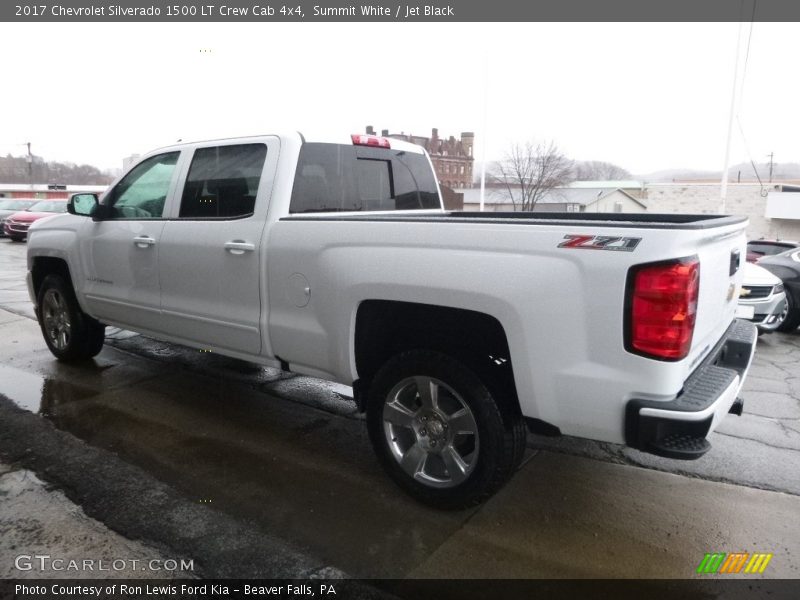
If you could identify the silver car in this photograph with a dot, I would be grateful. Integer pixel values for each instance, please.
(762, 298)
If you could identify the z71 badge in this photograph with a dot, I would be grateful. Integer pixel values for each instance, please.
(600, 242)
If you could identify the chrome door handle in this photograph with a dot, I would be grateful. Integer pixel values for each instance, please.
(239, 247)
(143, 241)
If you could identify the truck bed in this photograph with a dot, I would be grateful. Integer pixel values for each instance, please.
(638, 220)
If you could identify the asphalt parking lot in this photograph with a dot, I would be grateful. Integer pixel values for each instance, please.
(289, 457)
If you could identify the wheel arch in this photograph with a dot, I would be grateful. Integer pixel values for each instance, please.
(384, 328)
(48, 265)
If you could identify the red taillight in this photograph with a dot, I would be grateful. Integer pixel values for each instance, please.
(360, 139)
(663, 306)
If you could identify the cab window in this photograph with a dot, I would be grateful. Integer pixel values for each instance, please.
(223, 182)
(336, 177)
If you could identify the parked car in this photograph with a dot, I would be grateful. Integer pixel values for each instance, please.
(786, 266)
(16, 226)
(763, 298)
(757, 249)
(335, 258)
(9, 206)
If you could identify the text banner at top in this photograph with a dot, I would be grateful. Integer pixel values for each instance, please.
(237, 11)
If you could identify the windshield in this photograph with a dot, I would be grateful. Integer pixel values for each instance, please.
(12, 204)
(53, 206)
(769, 248)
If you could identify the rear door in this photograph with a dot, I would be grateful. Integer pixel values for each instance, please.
(212, 254)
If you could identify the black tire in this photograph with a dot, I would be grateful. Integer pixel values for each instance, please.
(792, 320)
(70, 334)
(16, 239)
(497, 445)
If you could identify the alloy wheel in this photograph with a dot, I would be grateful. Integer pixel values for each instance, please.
(57, 322)
(431, 431)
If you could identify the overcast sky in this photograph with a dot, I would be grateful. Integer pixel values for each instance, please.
(644, 96)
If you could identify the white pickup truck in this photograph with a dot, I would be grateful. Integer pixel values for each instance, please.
(456, 330)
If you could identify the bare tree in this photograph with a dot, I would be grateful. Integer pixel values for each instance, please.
(597, 170)
(15, 170)
(529, 171)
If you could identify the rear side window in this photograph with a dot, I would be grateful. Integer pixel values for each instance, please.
(337, 177)
(223, 182)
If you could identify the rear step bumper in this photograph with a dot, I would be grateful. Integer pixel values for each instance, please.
(678, 428)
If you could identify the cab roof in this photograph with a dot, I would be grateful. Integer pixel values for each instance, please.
(344, 139)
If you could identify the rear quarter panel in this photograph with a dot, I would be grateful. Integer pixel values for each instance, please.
(562, 309)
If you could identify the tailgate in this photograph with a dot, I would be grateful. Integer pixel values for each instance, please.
(722, 255)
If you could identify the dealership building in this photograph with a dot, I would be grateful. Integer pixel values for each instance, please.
(46, 191)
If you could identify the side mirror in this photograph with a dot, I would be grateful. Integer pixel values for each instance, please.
(82, 204)
(102, 212)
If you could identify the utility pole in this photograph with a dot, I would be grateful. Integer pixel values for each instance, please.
(30, 165)
(771, 155)
(485, 127)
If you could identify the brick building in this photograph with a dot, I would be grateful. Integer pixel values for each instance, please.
(452, 158)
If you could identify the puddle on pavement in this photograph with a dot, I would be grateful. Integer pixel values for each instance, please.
(24, 388)
(300, 473)
(297, 472)
(36, 393)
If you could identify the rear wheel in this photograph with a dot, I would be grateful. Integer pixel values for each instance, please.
(439, 432)
(70, 334)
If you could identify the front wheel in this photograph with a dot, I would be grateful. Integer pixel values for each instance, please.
(70, 334)
(439, 432)
(790, 317)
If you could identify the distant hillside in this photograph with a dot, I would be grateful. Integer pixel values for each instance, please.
(14, 169)
(743, 171)
(667, 175)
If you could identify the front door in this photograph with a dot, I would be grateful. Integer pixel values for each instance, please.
(119, 255)
(210, 259)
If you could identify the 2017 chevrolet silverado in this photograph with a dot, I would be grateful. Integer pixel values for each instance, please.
(456, 330)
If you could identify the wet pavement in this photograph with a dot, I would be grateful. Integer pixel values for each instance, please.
(760, 449)
(37, 522)
(290, 457)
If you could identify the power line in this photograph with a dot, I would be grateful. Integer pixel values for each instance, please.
(741, 99)
(747, 51)
(762, 191)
